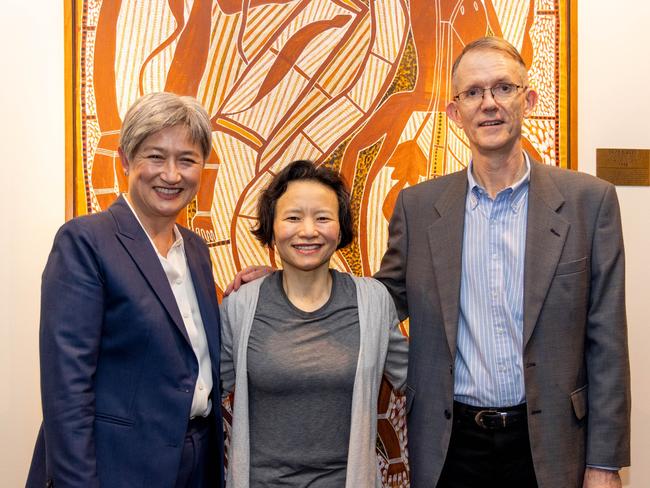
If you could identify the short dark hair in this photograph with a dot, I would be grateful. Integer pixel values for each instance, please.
(302, 170)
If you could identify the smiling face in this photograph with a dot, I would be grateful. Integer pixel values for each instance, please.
(164, 175)
(306, 227)
(493, 128)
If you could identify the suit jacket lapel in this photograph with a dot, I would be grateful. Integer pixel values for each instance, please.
(205, 295)
(137, 244)
(446, 243)
(546, 232)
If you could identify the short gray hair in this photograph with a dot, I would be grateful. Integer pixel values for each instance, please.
(495, 44)
(157, 111)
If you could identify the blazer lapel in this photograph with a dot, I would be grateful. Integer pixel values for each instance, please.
(546, 232)
(137, 244)
(446, 243)
(205, 294)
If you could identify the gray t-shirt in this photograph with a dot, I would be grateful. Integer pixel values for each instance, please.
(301, 369)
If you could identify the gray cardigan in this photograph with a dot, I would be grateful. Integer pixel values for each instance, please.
(382, 349)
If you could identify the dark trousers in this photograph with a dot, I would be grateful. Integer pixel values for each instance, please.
(199, 466)
(492, 457)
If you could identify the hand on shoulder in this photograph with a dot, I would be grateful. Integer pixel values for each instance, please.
(246, 275)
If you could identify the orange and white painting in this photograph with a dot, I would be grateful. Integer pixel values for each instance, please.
(358, 85)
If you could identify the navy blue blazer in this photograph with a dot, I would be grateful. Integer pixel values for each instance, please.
(117, 368)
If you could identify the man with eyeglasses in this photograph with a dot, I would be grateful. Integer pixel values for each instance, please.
(512, 276)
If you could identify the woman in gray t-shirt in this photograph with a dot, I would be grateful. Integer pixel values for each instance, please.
(305, 348)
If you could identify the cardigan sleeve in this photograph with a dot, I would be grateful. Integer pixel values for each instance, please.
(396, 364)
(227, 365)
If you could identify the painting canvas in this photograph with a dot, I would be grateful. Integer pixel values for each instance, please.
(358, 85)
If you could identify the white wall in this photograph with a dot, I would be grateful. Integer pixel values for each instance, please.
(613, 112)
(32, 203)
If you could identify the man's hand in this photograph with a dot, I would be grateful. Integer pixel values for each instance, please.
(601, 478)
(247, 274)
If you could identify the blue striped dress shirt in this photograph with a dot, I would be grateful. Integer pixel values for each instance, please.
(489, 359)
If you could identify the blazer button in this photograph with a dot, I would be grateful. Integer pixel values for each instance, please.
(447, 414)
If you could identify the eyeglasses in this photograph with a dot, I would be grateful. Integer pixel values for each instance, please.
(501, 92)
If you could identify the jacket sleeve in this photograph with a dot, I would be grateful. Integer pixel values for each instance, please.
(392, 272)
(72, 310)
(606, 350)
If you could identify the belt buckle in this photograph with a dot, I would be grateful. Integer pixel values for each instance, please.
(478, 418)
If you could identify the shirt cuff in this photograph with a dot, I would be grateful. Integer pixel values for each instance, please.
(606, 468)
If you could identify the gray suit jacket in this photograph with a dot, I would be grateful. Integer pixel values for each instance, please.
(576, 365)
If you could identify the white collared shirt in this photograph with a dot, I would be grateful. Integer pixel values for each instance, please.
(180, 281)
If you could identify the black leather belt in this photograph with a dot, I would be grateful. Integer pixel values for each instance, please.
(490, 418)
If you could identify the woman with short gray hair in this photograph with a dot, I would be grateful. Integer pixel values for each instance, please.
(129, 333)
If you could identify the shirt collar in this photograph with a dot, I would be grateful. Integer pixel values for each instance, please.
(516, 191)
(178, 238)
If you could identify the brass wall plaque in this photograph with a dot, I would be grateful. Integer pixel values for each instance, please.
(629, 167)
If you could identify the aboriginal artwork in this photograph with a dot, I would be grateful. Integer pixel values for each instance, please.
(358, 85)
